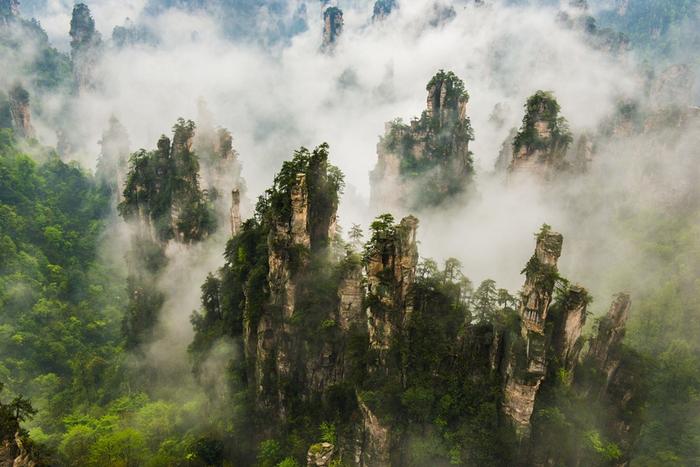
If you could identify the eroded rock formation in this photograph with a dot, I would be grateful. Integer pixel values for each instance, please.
(540, 146)
(525, 368)
(383, 8)
(391, 269)
(85, 45)
(235, 214)
(383, 345)
(332, 27)
(20, 112)
(603, 352)
(568, 327)
(373, 444)
(427, 162)
(14, 453)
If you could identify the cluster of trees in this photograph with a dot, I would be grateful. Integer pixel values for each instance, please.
(61, 306)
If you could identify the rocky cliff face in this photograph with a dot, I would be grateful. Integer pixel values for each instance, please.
(235, 214)
(14, 453)
(525, 368)
(383, 346)
(604, 347)
(85, 44)
(163, 190)
(540, 146)
(568, 327)
(427, 162)
(373, 442)
(332, 27)
(391, 269)
(20, 112)
(295, 342)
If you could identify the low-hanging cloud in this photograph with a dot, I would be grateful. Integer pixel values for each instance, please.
(275, 98)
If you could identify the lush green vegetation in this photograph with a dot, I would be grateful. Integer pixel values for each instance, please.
(60, 305)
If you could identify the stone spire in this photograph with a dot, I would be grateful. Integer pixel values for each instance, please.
(568, 326)
(427, 162)
(524, 373)
(383, 8)
(445, 104)
(332, 27)
(540, 276)
(85, 43)
(300, 212)
(609, 336)
(235, 212)
(543, 139)
(391, 271)
(20, 112)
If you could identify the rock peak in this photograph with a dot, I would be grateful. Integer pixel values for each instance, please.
(332, 27)
(447, 98)
(383, 8)
(428, 161)
(20, 111)
(541, 143)
(82, 27)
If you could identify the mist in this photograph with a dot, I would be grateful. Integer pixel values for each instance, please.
(276, 98)
(266, 78)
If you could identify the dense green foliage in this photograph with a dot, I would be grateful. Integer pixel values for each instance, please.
(60, 306)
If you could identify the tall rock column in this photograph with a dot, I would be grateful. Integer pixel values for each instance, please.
(611, 331)
(541, 144)
(20, 112)
(391, 269)
(112, 166)
(526, 364)
(236, 219)
(332, 27)
(426, 162)
(274, 332)
(568, 326)
(85, 44)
